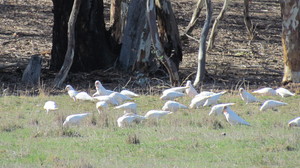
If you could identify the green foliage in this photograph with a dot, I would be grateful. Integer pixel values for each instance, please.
(30, 137)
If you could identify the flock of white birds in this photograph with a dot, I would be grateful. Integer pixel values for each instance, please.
(106, 98)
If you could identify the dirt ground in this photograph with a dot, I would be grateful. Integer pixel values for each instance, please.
(26, 29)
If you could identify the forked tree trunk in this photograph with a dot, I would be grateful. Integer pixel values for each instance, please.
(247, 20)
(202, 48)
(195, 16)
(93, 47)
(290, 11)
(168, 31)
(61, 76)
(214, 30)
(159, 50)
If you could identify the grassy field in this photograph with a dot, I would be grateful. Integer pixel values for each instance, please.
(188, 138)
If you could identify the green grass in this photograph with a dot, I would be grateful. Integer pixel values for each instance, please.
(189, 138)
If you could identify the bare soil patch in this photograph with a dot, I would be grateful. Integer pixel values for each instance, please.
(26, 29)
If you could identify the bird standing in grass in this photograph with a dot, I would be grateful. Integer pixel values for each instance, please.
(171, 95)
(271, 104)
(233, 118)
(173, 106)
(50, 106)
(75, 118)
(247, 97)
(101, 106)
(266, 91)
(128, 119)
(284, 92)
(129, 107)
(190, 90)
(129, 93)
(218, 109)
(294, 122)
(77, 95)
(100, 90)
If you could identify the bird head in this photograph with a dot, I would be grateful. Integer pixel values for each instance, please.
(69, 87)
(98, 84)
(225, 110)
(241, 90)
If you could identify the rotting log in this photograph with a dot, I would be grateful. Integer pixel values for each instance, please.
(290, 11)
(202, 47)
(32, 73)
(214, 30)
(61, 76)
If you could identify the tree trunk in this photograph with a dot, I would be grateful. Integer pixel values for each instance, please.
(247, 20)
(93, 49)
(61, 76)
(202, 48)
(168, 31)
(118, 16)
(195, 16)
(159, 50)
(136, 42)
(214, 30)
(290, 11)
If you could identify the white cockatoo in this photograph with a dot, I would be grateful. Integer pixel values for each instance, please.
(233, 118)
(173, 106)
(129, 107)
(119, 97)
(266, 91)
(171, 95)
(129, 93)
(101, 106)
(247, 97)
(205, 93)
(107, 99)
(84, 96)
(50, 106)
(100, 90)
(190, 91)
(294, 122)
(198, 101)
(271, 104)
(156, 114)
(284, 92)
(75, 118)
(213, 99)
(218, 109)
(71, 91)
(128, 119)
(180, 89)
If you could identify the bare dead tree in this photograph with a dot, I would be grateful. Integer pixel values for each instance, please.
(61, 76)
(160, 53)
(195, 16)
(202, 48)
(247, 20)
(214, 30)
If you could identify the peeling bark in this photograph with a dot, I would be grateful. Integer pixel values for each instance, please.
(290, 11)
